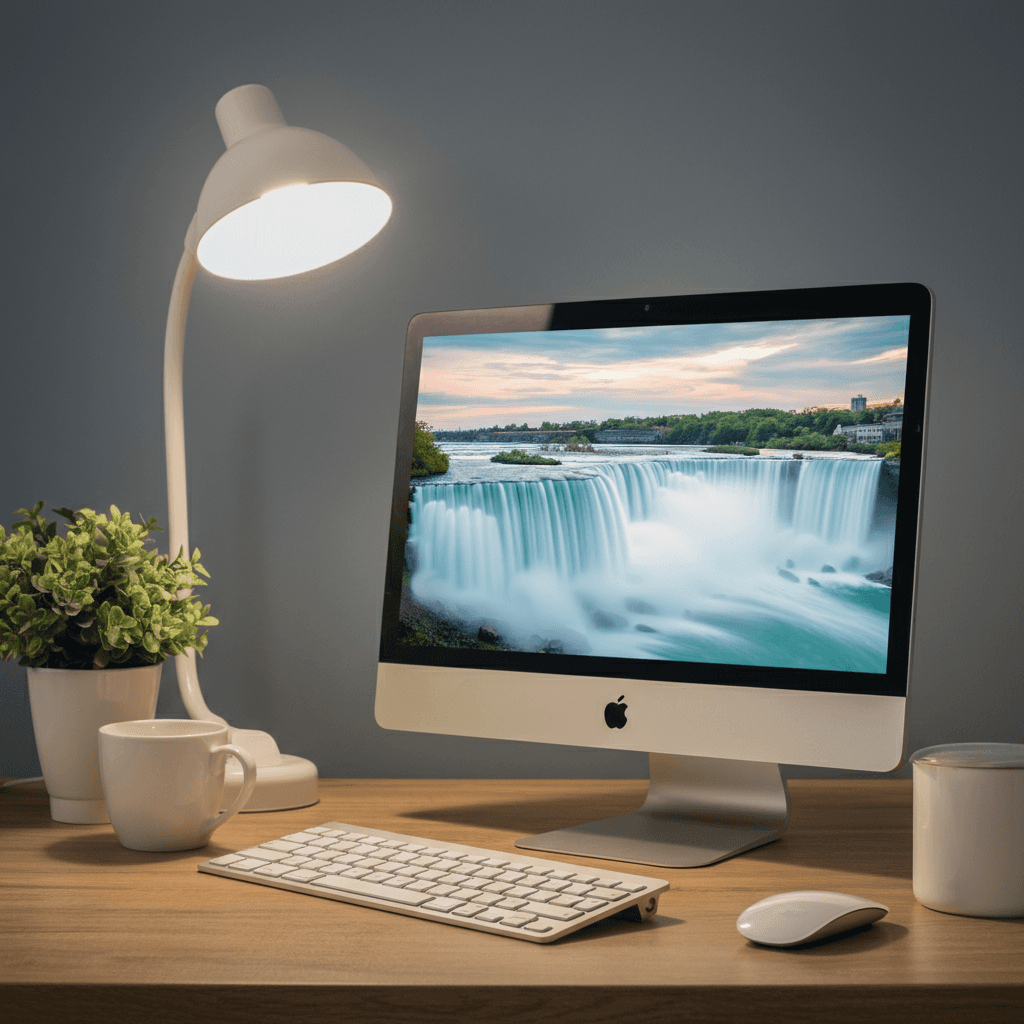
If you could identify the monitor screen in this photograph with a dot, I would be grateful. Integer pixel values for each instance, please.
(682, 524)
(714, 500)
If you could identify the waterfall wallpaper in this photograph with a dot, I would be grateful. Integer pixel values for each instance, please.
(582, 500)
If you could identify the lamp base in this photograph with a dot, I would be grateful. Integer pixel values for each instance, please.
(283, 781)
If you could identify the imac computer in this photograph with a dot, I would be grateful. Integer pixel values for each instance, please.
(685, 525)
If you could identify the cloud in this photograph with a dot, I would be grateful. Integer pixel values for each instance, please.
(656, 370)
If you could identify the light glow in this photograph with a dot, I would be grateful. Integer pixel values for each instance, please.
(294, 229)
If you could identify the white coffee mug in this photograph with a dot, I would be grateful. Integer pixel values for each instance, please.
(163, 779)
(969, 828)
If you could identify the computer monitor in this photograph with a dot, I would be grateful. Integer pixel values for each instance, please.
(663, 524)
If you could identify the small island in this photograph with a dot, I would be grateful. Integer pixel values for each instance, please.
(517, 457)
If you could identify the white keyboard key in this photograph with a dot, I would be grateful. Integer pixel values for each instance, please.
(537, 926)
(263, 854)
(488, 898)
(515, 920)
(578, 889)
(553, 886)
(565, 900)
(281, 844)
(499, 887)
(442, 890)
(520, 892)
(468, 910)
(248, 864)
(327, 869)
(607, 894)
(510, 876)
(455, 879)
(420, 885)
(302, 875)
(507, 904)
(228, 858)
(402, 858)
(442, 903)
(587, 906)
(555, 913)
(273, 870)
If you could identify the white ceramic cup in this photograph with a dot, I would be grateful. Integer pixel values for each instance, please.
(969, 828)
(163, 779)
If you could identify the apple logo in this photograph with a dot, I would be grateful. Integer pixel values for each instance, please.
(615, 714)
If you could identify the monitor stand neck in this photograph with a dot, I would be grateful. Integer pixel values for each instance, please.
(698, 810)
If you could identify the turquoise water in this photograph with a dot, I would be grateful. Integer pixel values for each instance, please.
(740, 561)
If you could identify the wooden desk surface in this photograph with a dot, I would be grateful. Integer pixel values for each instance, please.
(94, 931)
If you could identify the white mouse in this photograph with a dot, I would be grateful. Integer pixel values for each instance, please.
(793, 918)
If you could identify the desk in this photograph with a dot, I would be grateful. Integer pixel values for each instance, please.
(92, 931)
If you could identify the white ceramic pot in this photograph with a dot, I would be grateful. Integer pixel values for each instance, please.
(68, 708)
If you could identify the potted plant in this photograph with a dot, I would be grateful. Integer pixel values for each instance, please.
(92, 614)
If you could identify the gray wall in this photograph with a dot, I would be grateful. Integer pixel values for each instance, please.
(535, 152)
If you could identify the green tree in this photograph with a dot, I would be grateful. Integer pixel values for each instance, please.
(427, 458)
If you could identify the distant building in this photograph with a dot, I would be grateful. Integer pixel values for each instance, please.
(892, 425)
(889, 428)
(862, 433)
(645, 435)
(858, 404)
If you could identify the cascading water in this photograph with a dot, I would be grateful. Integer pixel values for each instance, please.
(737, 561)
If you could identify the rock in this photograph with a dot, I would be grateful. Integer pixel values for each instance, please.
(787, 575)
(642, 628)
(488, 635)
(607, 620)
(828, 568)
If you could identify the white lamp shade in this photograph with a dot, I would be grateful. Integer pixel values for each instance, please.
(281, 200)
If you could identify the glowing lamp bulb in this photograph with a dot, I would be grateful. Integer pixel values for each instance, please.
(293, 229)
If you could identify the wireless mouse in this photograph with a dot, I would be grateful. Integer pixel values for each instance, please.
(794, 918)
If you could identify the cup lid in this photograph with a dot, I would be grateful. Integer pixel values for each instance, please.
(972, 755)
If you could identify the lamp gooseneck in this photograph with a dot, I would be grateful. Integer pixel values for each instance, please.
(174, 440)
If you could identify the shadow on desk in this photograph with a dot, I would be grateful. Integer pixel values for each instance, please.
(846, 837)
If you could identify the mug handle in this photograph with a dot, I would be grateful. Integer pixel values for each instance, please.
(248, 764)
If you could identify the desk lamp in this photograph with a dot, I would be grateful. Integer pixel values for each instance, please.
(280, 201)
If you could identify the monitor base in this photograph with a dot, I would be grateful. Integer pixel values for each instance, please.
(698, 811)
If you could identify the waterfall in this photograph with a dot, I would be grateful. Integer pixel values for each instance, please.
(741, 561)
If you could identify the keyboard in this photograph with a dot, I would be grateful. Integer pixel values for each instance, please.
(529, 898)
